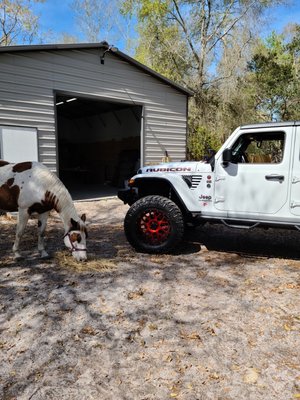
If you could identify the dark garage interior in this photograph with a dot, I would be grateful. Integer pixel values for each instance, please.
(98, 144)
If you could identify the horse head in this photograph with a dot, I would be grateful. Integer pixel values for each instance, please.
(75, 238)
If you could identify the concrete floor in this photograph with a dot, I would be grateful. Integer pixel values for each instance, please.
(91, 191)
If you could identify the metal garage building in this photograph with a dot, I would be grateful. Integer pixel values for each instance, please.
(89, 112)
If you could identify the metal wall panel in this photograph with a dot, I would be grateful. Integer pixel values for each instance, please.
(28, 81)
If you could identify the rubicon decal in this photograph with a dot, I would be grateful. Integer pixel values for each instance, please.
(171, 169)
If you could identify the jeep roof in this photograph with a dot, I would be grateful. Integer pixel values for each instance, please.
(272, 124)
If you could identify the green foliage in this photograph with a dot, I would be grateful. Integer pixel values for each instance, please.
(201, 142)
(274, 75)
(161, 45)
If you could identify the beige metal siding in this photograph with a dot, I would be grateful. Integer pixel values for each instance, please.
(28, 81)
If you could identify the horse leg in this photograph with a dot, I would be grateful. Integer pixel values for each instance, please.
(42, 221)
(21, 224)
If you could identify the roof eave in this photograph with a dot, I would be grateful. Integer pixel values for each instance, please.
(103, 45)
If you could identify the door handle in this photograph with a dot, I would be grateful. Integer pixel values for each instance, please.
(274, 177)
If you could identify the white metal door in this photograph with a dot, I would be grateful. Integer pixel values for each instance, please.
(18, 144)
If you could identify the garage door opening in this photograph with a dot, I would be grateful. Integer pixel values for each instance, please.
(98, 145)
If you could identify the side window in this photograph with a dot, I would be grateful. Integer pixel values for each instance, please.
(259, 148)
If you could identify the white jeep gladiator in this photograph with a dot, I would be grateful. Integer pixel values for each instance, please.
(253, 180)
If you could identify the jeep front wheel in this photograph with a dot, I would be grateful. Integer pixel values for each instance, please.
(154, 224)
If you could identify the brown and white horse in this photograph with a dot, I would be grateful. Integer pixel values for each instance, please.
(31, 188)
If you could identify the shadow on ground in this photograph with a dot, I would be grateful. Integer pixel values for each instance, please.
(277, 243)
(188, 325)
(108, 241)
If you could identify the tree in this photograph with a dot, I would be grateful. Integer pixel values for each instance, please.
(100, 20)
(186, 39)
(18, 23)
(274, 73)
(67, 38)
(204, 45)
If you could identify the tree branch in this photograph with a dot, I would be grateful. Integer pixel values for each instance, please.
(232, 25)
(181, 22)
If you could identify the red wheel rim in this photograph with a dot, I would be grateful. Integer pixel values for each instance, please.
(154, 226)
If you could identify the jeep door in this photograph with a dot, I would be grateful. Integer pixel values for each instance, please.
(295, 178)
(255, 182)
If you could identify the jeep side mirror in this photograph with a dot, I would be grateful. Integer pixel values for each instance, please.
(227, 156)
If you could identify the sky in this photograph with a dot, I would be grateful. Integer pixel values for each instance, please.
(283, 15)
(56, 17)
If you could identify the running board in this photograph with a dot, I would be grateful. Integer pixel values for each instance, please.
(240, 226)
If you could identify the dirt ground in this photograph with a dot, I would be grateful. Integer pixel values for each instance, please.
(220, 319)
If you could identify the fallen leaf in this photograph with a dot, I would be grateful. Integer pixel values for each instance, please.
(251, 376)
(214, 375)
(88, 330)
(287, 327)
(136, 294)
(192, 335)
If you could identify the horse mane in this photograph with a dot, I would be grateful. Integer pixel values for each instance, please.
(59, 192)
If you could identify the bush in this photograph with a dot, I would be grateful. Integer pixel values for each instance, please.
(201, 143)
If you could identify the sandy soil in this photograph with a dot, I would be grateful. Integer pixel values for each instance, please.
(220, 319)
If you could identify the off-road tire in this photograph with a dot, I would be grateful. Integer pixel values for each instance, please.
(154, 224)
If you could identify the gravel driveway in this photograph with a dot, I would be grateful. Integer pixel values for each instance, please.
(220, 319)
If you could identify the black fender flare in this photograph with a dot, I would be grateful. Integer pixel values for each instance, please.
(144, 182)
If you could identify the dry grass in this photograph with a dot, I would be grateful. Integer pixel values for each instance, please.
(6, 262)
(67, 261)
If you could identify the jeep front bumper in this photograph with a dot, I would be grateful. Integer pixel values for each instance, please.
(128, 196)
